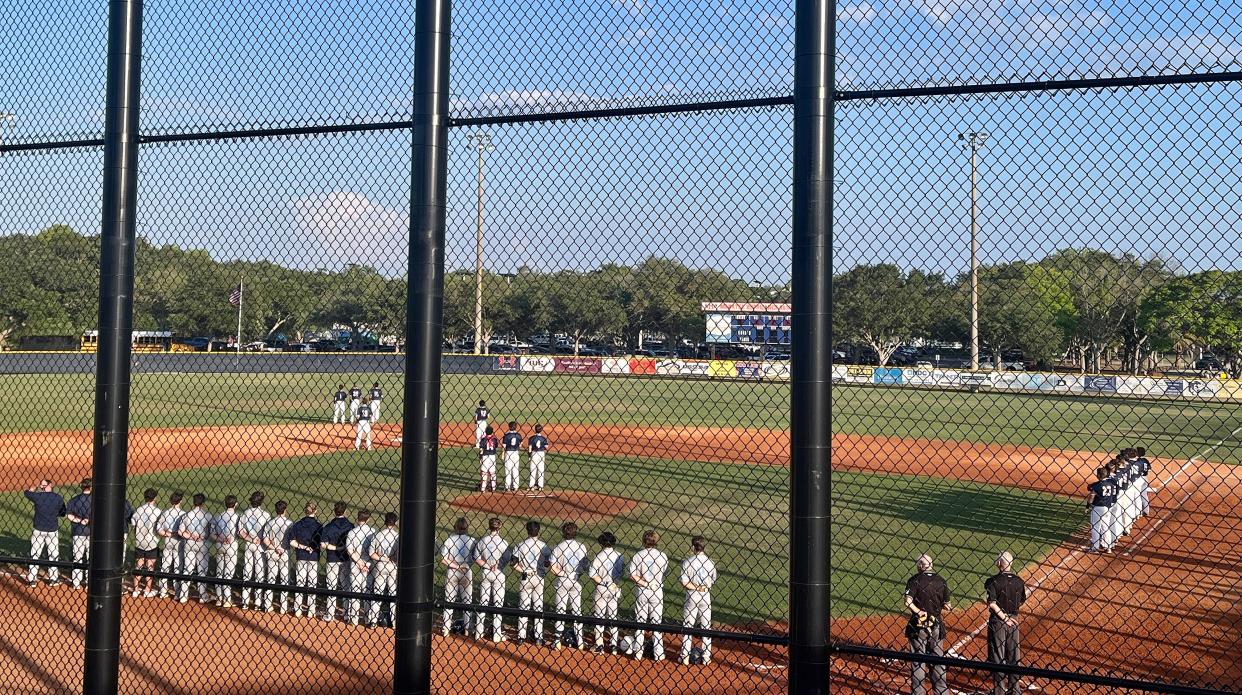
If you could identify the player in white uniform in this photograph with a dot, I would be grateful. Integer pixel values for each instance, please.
(698, 575)
(481, 414)
(340, 405)
(78, 512)
(146, 542)
(356, 542)
(254, 562)
(363, 417)
(647, 569)
(568, 563)
(277, 556)
(530, 559)
(487, 460)
(456, 555)
(166, 528)
(194, 528)
(377, 395)
(224, 533)
(491, 553)
(383, 552)
(355, 400)
(537, 445)
(512, 442)
(607, 571)
(1144, 486)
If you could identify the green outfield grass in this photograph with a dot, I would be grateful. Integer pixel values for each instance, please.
(881, 522)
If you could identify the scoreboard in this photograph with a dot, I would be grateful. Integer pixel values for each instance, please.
(747, 323)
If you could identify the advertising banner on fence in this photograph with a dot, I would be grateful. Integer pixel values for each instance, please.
(577, 365)
(538, 363)
(920, 377)
(642, 365)
(779, 371)
(748, 370)
(1231, 389)
(888, 376)
(1201, 388)
(839, 372)
(695, 368)
(722, 368)
(975, 378)
(506, 363)
(859, 375)
(615, 365)
(1098, 384)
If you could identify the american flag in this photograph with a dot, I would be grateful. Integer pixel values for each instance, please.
(235, 296)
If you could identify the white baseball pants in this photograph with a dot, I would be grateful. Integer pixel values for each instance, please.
(81, 553)
(375, 411)
(491, 593)
(480, 431)
(307, 576)
(358, 585)
(44, 543)
(697, 613)
(487, 471)
(254, 569)
(1116, 522)
(513, 470)
(353, 410)
(170, 561)
(1144, 496)
(1099, 528)
(568, 601)
(458, 588)
(194, 563)
(226, 568)
(277, 573)
(607, 603)
(385, 585)
(364, 433)
(536, 469)
(530, 597)
(649, 608)
(336, 577)
(338, 412)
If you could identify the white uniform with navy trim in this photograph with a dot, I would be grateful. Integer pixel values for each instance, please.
(538, 445)
(170, 558)
(530, 560)
(457, 551)
(571, 557)
(607, 571)
(277, 559)
(512, 442)
(383, 570)
(254, 561)
(364, 427)
(355, 400)
(224, 530)
(340, 405)
(195, 526)
(356, 543)
(377, 395)
(480, 423)
(492, 553)
(697, 570)
(650, 564)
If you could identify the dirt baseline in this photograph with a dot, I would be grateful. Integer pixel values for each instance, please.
(1163, 607)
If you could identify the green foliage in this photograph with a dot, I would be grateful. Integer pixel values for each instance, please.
(1204, 308)
(883, 307)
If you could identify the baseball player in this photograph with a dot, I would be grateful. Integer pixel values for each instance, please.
(333, 541)
(254, 563)
(340, 405)
(698, 574)
(224, 533)
(455, 555)
(45, 537)
(487, 461)
(1116, 517)
(1144, 485)
(481, 414)
(513, 458)
(491, 553)
(1125, 470)
(383, 552)
(356, 542)
(647, 569)
(538, 447)
(1103, 497)
(377, 395)
(193, 530)
(303, 538)
(568, 563)
(363, 417)
(607, 571)
(530, 559)
(277, 556)
(166, 528)
(146, 542)
(355, 400)
(78, 512)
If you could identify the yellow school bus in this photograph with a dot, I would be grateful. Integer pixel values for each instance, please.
(142, 341)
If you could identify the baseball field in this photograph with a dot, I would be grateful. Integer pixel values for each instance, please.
(956, 474)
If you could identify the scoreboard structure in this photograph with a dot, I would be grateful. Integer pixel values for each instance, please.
(747, 323)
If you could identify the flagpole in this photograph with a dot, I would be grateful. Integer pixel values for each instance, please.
(241, 298)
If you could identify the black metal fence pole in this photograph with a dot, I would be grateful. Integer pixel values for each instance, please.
(116, 313)
(814, 46)
(424, 335)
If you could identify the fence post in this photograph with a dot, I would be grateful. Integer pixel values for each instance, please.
(814, 49)
(424, 335)
(116, 313)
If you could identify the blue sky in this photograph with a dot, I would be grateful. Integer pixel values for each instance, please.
(1147, 171)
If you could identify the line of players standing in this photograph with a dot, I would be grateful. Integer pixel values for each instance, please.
(567, 563)
(1119, 497)
(488, 444)
(363, 410)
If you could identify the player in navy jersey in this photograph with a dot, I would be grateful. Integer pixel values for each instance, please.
(355, 400)
(340, 402)
(481, 414)
(1103, 497)
(487, 460)
(538, 447)
(377, 395)
(1144, 485)
(513, 458)
(363, 416)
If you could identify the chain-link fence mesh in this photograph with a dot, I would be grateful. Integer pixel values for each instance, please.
(617, 312)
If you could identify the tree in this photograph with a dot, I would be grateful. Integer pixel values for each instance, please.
(1022, 306)
(880, 306)
(580, 307)
(1203, 309)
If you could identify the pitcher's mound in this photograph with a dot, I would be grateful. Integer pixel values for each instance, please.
(565, 505)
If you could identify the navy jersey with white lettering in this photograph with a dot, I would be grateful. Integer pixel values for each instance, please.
(538, 442)
(364, 413)
(1105, 492)
(339, 397)
(377, 394)
(488, 445)
(1144, 467)
(355, 393)
(481, 414)
(513, 441)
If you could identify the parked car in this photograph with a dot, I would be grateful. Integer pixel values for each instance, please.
(774, 355)
(327, 346)
(297, 347)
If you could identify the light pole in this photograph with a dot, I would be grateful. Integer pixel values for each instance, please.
(482, 143)
(973, 141)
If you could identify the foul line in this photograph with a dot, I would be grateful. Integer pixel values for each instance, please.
(1195, 459)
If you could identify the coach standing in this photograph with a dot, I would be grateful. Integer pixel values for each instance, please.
(45, 537)
(1005, 593)
(926, 595)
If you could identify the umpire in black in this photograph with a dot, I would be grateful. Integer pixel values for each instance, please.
(927, 594)
(1005, 594)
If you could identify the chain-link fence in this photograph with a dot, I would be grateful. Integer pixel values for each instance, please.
(527, 336)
